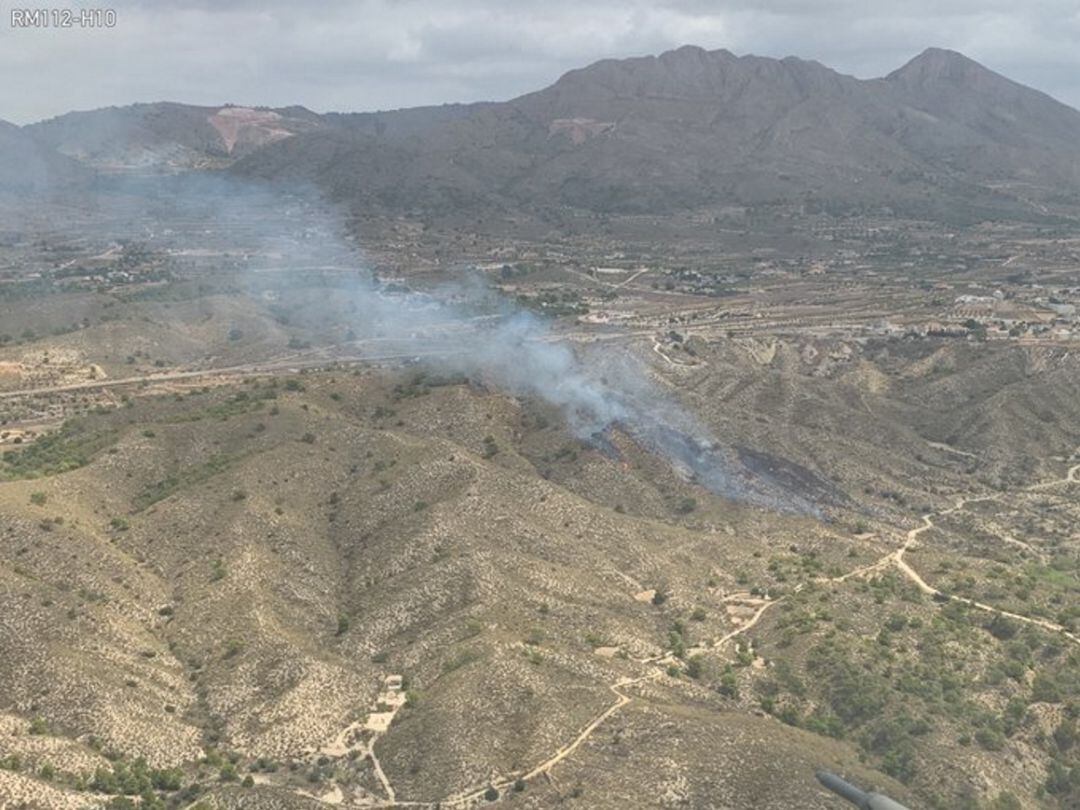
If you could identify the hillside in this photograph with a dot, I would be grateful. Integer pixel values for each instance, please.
(27, 166)
(651, 440)
(942, 137)
(168, 136)
(218, 573)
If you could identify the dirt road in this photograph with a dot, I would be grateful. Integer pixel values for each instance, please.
(897, 557)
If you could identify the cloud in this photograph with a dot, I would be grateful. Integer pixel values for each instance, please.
(377, 54)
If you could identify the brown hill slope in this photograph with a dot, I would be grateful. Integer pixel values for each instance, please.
(235, 571)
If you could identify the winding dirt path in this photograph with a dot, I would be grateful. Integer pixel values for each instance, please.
(563, 753)
(897, 558)
(475, 796)
(744, 627)
(506, 782)
(381, 775)
(950, 449)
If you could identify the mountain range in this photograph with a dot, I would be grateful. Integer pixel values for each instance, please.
(940, 138)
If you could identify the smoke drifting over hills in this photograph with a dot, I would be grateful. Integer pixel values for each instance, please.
(463, 327)
(597, 389)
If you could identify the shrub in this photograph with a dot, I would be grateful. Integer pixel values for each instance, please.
(1002, 628)
(729, 683)
(686, 506)
(990, 739)
(695, 666)
(217, 570)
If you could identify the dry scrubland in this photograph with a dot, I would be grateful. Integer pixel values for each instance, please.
(206, 583)
(251, 556)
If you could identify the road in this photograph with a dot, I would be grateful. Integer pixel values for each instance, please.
(268, 368)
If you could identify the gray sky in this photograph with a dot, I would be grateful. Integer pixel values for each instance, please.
(354, 55)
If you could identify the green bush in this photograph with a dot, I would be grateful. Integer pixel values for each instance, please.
(991, 739)
(685, 506)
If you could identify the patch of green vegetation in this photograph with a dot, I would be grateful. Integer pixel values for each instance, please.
(421, 382)
(233, 648)
(74, 445)
(462, 659)
(188, 477)
(217, 570)
(241, 402)
(696, 666)
(151, 786)
(729, 683)
(887, 692)
(685, 506)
